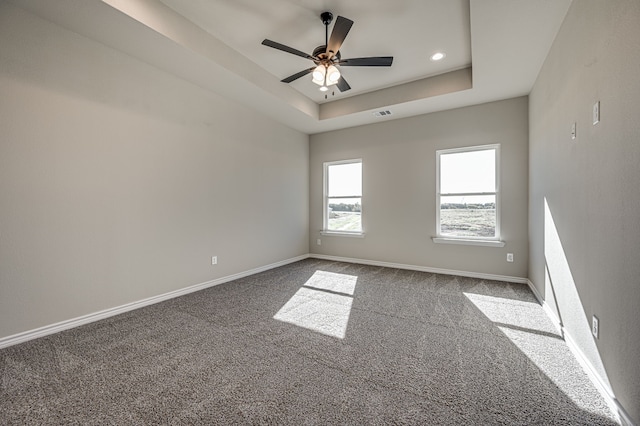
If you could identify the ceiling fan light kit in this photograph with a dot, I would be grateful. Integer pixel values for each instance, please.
(324, 76)
(327, 58)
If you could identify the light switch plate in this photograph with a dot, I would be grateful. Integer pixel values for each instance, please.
(596, 113)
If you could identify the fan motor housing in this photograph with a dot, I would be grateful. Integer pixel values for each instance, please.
(320, 52)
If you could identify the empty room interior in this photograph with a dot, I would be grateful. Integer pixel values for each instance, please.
(252, 212)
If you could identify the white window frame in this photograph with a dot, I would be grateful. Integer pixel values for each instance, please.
(325, 203)
(469, 240)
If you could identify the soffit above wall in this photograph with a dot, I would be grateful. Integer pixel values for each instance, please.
(495, 49)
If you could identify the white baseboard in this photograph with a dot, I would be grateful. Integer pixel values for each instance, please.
(96, 316)
(603, 387)
(625, 418)
(545, 306)
(479, 275)
(536, 293)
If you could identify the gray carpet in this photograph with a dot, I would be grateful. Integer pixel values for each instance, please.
(314, 342)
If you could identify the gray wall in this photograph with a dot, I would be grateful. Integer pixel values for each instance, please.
(399, 183)
(584, 248)
(119, 182)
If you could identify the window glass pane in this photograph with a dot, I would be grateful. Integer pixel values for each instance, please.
(465, 172)
(344, 214)
(345, 180)
(472, 216)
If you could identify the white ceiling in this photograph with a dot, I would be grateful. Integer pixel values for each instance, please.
(494, 49)
(409, 30)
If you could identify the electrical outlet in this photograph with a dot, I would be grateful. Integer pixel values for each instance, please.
(214, 260)
(319, 241)
(596, 113)
(509, 257)
(595, 327)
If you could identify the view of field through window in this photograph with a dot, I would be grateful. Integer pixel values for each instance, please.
(345, 215)
(468, 220)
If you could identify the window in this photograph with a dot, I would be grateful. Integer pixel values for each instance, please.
(467, 196)
(343, 197)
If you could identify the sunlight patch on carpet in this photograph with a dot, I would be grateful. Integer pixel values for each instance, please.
(323, 304)
(529, 329)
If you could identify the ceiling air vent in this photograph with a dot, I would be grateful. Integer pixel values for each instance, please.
(383, 113)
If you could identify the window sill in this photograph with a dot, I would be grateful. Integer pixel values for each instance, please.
(342, 234)
(485, 243)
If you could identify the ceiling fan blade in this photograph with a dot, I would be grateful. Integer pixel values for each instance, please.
(338, 34)
(343, 86)
(297, 75)
(378, 61)
(287, 49)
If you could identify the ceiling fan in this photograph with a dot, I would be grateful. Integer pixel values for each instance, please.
(327, 57)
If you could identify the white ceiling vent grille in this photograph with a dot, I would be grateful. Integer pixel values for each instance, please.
(383, 113)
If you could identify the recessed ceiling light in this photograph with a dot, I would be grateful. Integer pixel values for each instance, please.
(438, 56)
